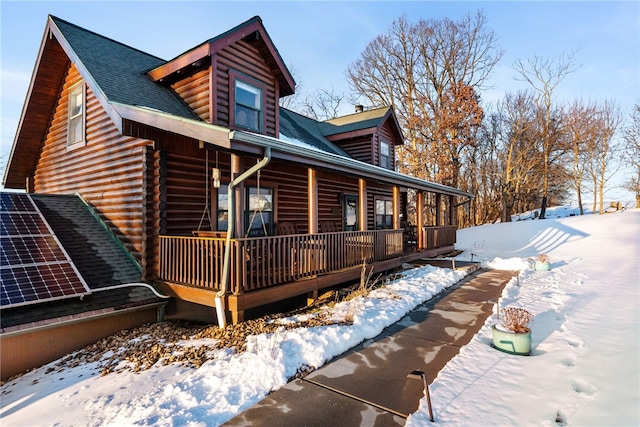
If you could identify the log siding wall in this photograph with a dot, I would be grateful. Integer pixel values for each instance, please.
(244, 58)
(194, 90)
(108, 171)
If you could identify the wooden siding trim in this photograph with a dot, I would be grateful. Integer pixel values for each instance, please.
(213, 89)
(203, 131)
(353, 134)
(183, 61)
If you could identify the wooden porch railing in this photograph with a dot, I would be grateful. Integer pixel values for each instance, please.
(263, 262)
(439, 236)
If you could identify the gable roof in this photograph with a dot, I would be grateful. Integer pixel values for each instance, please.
(369, 119)
(119, 71)
(250, 29)
(104, 264)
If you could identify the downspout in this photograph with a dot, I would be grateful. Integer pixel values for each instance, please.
(222, 321)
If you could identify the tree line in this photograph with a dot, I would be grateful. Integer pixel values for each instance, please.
(520, 153)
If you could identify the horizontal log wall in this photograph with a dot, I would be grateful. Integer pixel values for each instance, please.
(194, 90)
(330, 186)
(108, 171)
(292, 201)
(386, 133)
(245, 58)
(360, 149)
(188, 190)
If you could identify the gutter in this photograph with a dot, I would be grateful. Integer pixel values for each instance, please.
(364, 169)
(222, 321)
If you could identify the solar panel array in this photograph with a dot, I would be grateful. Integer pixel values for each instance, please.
(34, 267)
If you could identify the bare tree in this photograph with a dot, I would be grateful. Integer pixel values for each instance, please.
(412, 66)
(323, 104)
(544, 75)
(602, 152)
(291, 102)
(581, 133)
(518, 156)
(632, 152)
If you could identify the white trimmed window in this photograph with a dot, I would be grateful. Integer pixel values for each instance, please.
(248, 106)
(76, 124)
(385, 155)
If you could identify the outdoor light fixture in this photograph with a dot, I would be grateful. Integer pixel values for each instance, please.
(215, 174)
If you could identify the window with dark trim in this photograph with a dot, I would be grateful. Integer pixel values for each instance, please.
(222, 208)
(259, 211)
(76, 120)
(248, 103)
(384, 214)
(385, 155)
(258, 214)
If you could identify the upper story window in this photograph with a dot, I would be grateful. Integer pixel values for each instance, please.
(385, 155)
(76, 123)
(248, 105)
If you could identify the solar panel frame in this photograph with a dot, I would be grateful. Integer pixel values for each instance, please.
(34, 266)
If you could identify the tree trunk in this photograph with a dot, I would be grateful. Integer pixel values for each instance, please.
(580, 201)
(543, 208)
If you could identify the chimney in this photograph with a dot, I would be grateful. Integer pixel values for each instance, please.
(359, 108)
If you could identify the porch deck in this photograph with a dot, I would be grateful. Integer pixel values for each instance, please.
(265, 270)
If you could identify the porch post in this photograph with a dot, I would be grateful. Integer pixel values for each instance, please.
(420, 219)
(452, 210)
(362, 204)
(236, 170)
(396, 207)
(438, 209)
(312, 206)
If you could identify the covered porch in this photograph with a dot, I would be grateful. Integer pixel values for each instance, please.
(264, 270)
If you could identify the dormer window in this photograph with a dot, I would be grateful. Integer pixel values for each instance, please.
(76, 129)
(248, 108)
(385, 155)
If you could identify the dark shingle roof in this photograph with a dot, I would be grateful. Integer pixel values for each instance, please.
(99, 258)
(353, 122)
(119, 71)
(301, 128)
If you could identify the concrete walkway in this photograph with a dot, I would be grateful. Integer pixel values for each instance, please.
(368, 385)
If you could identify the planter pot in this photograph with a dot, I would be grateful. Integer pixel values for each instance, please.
(511, 342)
(542, 266)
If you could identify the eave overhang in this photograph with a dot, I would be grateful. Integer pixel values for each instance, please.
(195, 129)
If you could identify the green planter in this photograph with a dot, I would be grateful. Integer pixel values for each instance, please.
(542, 266)
(511, 342)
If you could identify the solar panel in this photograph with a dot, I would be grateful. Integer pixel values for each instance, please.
(34, 266)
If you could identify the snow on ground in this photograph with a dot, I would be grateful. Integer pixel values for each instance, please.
(584, 367)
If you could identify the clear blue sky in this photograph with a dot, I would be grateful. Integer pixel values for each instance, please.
(319, 40)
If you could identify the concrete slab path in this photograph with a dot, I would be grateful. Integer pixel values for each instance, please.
(369, 384)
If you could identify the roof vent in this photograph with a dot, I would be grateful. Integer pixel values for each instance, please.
(359, 108)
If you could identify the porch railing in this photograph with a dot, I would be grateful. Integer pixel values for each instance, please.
(439, 236)
(263, 262)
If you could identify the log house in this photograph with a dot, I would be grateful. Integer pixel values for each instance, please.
(154, 147)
